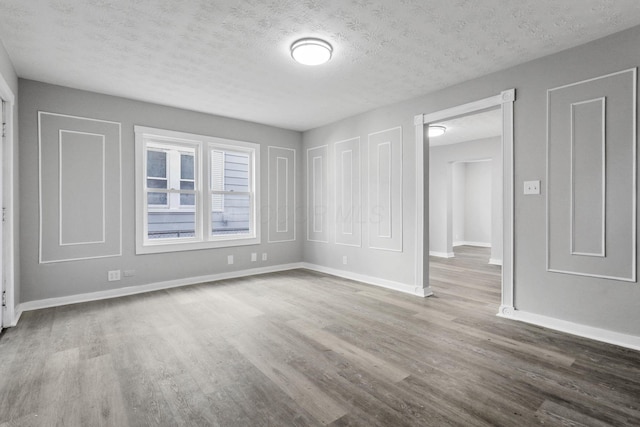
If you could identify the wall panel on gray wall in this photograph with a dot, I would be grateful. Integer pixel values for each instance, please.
(317, 196)
(282, 188)
(588, 177)
(80, 189)
(82, 172)
(347, 197)
(384, 212)
(591, 183)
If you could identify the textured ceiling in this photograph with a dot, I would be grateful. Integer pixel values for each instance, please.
(231, 57)
(470, 128)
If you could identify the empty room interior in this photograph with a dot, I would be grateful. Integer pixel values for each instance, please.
(319, 213)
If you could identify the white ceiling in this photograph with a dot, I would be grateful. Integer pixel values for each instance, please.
(470, 128)
(231, 58)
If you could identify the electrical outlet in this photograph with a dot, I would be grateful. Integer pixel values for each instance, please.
(230, 259)
(254, 257)
(264, 256)
(344, 259)
(129, 273)
(113, 275)
(531, 187)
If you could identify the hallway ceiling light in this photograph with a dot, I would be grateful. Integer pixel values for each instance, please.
(310, 51)
(436, 131)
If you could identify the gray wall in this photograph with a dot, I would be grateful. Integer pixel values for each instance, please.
(8, 73)
(58, 279)
(591, 301)
(442, 195)
(478, 202)
(458, 187)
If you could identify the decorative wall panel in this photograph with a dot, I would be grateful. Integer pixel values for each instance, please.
(282, 194)
(82, 167)
(348, 215)
(317, 196)
(80, 188)
(591, 182)
(384, 211)
(588, 177)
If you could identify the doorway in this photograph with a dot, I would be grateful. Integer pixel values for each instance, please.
(465, 185)
(503, 102)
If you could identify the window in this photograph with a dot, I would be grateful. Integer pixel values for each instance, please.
(194, 192)
(170, 167)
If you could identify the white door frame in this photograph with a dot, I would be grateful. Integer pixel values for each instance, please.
(7, 251)
(505, 100)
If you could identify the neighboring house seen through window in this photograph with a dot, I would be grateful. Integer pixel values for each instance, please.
(194, 191)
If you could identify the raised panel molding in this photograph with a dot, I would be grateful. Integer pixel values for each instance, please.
(282, 194)
(384, 211)
(591, 177)
(80, 190)
(588, 177)
(317, 196)
(281, 188)
(348, 208)
(82, 167)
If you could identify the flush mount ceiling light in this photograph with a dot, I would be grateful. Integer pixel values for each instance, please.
(436, 131)
(310, 51)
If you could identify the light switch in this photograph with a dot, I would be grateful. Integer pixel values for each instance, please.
(531, 187)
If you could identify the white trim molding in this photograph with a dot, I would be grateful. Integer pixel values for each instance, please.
(590, 332)
(317, 207)
(389, 284)
(349, 213)
(133, 290)
(391, 239)
(442, 254)
(505, 101)
(187, 281)
(572, 188)
(596, 258)
(61, 180)
(9, 314)
(107, 253)
(290, 220)
(477, 244)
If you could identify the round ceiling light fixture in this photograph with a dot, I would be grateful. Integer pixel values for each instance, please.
(436, 131)
(309, 51)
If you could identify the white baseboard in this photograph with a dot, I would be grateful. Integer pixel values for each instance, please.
(479, 244)
(442, 254)
(598, 334)
(494, 261)
(16, 316)
(389, 284)
(132, 290)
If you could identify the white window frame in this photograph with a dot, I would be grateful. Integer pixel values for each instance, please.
(203, 145)
(173, 152)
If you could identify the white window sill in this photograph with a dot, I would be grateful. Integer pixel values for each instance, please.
(179, 245)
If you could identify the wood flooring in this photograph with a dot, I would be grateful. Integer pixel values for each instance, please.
(301, 348)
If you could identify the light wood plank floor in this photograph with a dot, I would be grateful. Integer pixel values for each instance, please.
(306, 349)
